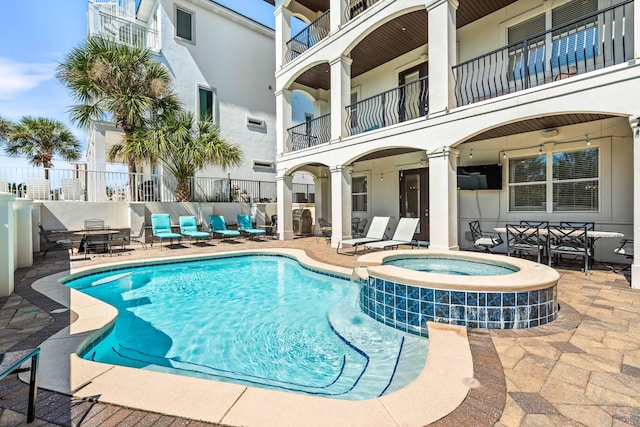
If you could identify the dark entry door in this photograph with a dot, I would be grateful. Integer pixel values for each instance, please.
(414, 198)
(413, 92)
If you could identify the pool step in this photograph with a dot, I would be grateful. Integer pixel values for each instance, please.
(377, 341)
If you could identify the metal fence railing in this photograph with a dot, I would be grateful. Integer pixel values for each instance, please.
(309, 134)
(85, 185)
(356, 7)
(308, 37)
(594, 41)
(405, 102)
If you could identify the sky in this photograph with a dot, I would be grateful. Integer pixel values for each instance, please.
(36, 35)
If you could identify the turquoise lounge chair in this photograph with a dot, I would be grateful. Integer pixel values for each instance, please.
(161, 228)
(245, 225)
(219, 228)
(189, 228)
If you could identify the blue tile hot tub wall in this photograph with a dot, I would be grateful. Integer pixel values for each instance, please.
(409, 308)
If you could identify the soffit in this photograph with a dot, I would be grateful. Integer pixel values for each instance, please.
(399, 36)
(538, 124)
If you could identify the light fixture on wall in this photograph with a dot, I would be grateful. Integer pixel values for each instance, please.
(381, 176)
(504, 154)
(471, 153)
(588, 140)
(540, 150)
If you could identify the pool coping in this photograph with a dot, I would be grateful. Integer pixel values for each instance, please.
(439, 389)
(530, 276)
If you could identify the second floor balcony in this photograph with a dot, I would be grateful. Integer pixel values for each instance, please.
(113, 26)
(592, 42)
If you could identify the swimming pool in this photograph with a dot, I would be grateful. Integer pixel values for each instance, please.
(453, 266)
(256, 320)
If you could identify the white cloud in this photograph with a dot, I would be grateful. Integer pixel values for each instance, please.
(19, 77)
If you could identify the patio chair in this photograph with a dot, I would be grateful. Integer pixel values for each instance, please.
(571, 241)
(402, 236)
(189, 228)
(487, 241)
(325, 229)
(245, 226)
(375, 234)
(64, 243)
(119, 239)
(38, 189)
(161, 229)
(524, 239)
(139, 236)
(362, 225)
(625, 248)
(71, 189)
(219, 228)
(94, 224)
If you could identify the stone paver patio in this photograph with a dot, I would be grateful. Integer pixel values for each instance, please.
(582, 369)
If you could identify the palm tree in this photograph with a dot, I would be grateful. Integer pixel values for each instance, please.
(41, 139)
(183, 147)
(126, 83)
(5, 127)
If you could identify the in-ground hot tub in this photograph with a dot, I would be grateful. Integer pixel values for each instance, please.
(406, 289)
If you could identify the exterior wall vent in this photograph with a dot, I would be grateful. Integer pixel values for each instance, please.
(256, 123)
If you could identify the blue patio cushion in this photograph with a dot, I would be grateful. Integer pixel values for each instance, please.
(161, 226)
(189, 227)
(246, 225)
(219, 226)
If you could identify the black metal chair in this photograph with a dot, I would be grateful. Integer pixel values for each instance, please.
(625, 248)
(570, 241)
(64, 243)
(481, 239)
(523, 239)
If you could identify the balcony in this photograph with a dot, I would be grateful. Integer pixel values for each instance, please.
(357, 7)
(113, 24)
(307, 38)
(309, 134)
(405, 102)
(592, 42)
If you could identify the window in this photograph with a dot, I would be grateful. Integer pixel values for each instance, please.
(359, 194)
(184, 24)
(566, 46)
(573, 180)
(205, 104)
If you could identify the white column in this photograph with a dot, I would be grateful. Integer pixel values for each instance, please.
(322, 199)
(24, 227)
(443, 199)
(442, 55)
(283, 34)
(636, 33)
(340, 204)
(635, 267)
(340, 95)
(283, 120)
(336, 14)
(7, 244)
(284, 186)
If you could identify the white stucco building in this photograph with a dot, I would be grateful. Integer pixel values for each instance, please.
(409, 92)
(222, 64)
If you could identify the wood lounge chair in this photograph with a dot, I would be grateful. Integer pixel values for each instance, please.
(376, 233)
(402, 236)
(189, 228)
(161, 229)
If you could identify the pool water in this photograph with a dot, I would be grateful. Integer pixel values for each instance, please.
(453, 266)
(255, 320)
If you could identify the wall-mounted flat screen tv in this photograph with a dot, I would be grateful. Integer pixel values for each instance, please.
(480, 177)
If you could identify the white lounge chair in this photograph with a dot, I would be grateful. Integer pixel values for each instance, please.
(402, 236)
(376, 233)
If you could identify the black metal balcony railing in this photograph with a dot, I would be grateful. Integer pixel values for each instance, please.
(305, 39)
(314, 132)
(598, 40)
(356, 7)
(397, 105)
